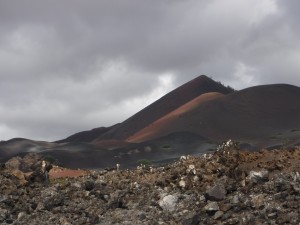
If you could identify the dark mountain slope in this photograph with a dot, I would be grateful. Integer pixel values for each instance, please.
(255, 112)
(87, 136)
(152, 130)
(165, 105)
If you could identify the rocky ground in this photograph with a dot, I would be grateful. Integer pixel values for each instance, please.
(226, 187)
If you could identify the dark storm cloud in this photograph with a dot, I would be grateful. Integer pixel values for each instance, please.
(66, 66)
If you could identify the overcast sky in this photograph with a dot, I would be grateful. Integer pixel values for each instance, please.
(72, 65)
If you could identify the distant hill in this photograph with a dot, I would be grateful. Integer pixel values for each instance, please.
(16, 146)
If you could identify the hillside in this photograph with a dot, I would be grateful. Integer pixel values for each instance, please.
(152, 131)
(87, 136)
(192, 119)
(16, 146)
(163, 106)
(254, 113)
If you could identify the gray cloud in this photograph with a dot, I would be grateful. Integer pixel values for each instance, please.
(72, 65)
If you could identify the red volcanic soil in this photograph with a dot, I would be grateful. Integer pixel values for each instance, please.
(252, 113)
(59, 172)
(156, 129)
(165, 105)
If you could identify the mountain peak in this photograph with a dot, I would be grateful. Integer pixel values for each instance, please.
(169, 102)
(183, 94)
(203, 77)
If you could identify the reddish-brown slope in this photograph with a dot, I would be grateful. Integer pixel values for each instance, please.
(154, 129)
(253, 113)
(165, 105)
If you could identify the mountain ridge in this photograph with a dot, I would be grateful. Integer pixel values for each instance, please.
(169, 102)
(192, 119)
(265, 106)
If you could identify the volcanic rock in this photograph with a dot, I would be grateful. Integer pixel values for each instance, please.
(257, 176)
(168, 202)
(218, 215)
(212, 206)
(216, 193)
(141, 196)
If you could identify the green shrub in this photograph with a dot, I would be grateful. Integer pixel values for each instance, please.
(166, 146)
(50, 159)
(295, 130)
(145, 162)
